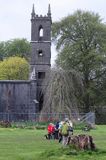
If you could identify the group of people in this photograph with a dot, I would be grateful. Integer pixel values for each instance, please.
(61, 131)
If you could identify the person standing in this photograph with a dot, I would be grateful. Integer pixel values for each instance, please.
(57, 130)
(65, 132)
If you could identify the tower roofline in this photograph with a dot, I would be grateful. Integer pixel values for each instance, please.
(49, 11)
(33, 15)
(33, 11)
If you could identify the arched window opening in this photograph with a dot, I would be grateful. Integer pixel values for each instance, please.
(40, 32)
(40, 53)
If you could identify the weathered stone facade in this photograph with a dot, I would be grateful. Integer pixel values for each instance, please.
(19, 96)
(41, 49)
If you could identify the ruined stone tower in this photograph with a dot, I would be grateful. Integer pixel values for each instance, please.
(40, 49)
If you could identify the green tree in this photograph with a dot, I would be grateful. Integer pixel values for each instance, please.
(100, 92)
(14, 68)
(15, 47)
(61, 92)
(81, 42)
(2, 50)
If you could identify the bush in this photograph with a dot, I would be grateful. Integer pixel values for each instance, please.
(5, 124)
(28, 125)
(79, 125)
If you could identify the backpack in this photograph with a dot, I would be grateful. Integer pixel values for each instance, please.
(64, 129)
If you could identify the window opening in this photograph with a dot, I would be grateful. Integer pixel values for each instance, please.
(40, 53)
(40, 31)
(41, 75)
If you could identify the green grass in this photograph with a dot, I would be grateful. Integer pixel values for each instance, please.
(24, 144)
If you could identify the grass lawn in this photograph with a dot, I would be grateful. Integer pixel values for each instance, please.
(24, 144)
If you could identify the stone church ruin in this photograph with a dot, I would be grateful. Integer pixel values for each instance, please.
(19, 99)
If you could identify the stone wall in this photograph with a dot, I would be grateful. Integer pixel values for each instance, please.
(17, 96)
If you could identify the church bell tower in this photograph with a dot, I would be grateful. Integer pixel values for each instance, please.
(40, 49)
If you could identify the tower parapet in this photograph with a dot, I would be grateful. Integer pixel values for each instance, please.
(34, 15)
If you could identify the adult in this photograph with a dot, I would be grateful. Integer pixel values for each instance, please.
(56, 136)
(65, 132)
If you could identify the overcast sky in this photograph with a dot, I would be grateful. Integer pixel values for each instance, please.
(15, 14)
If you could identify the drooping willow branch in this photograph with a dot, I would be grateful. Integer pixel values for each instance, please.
(62, 91)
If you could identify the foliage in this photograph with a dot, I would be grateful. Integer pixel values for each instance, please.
(61, 92)
(79, 126)
(14, 68)
(2, 50)
(15, 47)
(81, 42)
(100, 113)
(100, 92)
(28, 125)
(5, 124)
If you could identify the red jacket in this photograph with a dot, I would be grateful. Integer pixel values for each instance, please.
(51, 128)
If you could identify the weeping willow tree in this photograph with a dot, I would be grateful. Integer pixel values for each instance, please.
(62, 92)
